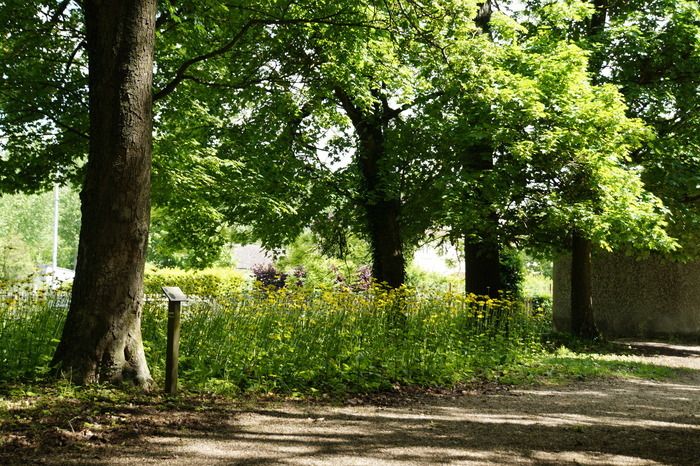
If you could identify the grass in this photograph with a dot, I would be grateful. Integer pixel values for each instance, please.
(236, 351)
(565, 365)
(30, 326)
(330, 342)
(306, 343)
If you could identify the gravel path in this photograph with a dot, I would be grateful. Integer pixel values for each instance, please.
(601, 422)
(631, 422)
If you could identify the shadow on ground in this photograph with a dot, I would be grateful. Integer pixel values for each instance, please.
(656, 348)
(590, 422)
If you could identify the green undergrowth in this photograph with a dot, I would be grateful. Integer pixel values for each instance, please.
(302, 343)
(309, 342)
(564, 365)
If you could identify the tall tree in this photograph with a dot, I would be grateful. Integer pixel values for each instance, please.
(558, 144)
(360, 85)
(650, 51)
(340, 76)
(582, 318)
(381, 204)
(101, 339)
(482, 249)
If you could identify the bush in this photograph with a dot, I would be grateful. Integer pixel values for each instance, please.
(267, 276)
(433, 282)
(321, 270)
(539, 305)
(207, 282)
(512, 271)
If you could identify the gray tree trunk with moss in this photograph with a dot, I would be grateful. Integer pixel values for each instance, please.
(101, 339)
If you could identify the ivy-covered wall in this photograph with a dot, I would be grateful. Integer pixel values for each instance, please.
(635, 298)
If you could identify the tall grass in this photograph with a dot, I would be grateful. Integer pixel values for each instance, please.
(303, 342)
(30, 326)
(341, 341)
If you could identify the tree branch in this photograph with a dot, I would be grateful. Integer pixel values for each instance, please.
(71, 129)
(180, 74)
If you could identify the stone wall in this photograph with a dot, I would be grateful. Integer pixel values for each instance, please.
(635, 298)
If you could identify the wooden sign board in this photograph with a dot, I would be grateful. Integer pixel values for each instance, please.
(174, 293)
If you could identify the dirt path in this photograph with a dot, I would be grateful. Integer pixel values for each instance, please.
(634, 422)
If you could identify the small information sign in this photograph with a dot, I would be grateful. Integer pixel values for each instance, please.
(174, 293)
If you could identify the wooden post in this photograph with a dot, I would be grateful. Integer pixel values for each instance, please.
(171, 357)
(175, 298)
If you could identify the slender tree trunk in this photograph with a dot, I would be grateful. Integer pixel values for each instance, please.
(595, 28)
(482, 262)
(483, 15)
(101, 339)
(582, 320)
(388, 263)
(482, 268)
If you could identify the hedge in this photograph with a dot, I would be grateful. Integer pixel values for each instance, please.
(207, 282)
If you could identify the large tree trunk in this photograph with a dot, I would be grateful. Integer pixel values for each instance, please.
(382, 206)
(481, 248)
(582, 320)
(482, 268)
(388, 265)
(101, 339)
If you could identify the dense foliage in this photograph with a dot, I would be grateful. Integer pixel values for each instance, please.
(491, 133)
(255, 126)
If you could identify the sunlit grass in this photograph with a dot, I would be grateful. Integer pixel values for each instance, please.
(564, 365)
(334, 341)
(303, 342)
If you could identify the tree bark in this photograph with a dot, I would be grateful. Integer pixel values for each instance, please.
(482, 269)
(388, 265)
(101, 340)
(582, 320)
(482, 266)
(596, 27)
(382, 207)
(483, 15)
